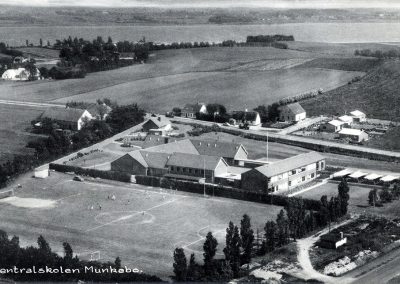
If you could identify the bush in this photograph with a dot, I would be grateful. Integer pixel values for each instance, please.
(111, 175)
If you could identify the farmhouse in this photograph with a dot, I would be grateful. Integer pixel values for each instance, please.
(190, 110)
(292, 113)
(353, 134)
(67, 118)
(358, 116)
(20, 74)
(159, 122)
(285, 174)
(251, 117)
(348, 120)
(332, 126)
(99, 111)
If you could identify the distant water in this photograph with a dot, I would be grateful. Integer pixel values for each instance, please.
(314, 32)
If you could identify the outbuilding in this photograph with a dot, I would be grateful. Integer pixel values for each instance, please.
(358, 116)
(332, 240)
(332, 126)
(356, 135)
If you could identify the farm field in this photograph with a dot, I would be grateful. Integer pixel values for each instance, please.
(142, 226)
(39, 52)
(358, 199)
(211, 74)
(376, 94)
(13, 135)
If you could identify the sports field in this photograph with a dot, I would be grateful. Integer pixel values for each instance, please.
(142, 225)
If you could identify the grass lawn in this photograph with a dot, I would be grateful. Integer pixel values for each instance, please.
(358, 199)
(13, 134)
(143, 240)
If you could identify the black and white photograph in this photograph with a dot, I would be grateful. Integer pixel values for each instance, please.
(215, 141)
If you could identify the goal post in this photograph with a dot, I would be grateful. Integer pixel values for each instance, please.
(6, 193)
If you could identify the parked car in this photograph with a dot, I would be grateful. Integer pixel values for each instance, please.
(78, 178)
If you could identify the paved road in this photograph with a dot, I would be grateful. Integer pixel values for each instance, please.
(291, 138)
(380, 270)
(29, 104)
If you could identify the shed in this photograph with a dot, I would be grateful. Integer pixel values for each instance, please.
(332, 240)
(358, 116)
(353, 134)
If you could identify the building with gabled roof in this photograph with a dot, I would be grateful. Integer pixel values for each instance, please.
(231, 152)
(332, 126)
(251, 117)
(292, 113)
(358, 116)
(141, 162)
(159, 122)
(190, 110)
(284, 174)
(67, 118)
(356, 135)
(348, 120)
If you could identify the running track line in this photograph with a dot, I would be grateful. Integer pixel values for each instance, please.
(130, 216)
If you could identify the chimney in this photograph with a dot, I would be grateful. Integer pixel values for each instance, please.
(208, 144)
(200, 143)
(159, 118)
(341, 235)
(215, 145)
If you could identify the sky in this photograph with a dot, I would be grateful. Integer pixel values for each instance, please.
(214, 3)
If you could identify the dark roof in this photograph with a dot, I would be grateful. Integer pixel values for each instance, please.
(244, 115)
(289, 164)
(150, 159)
(192, 108)
(63, 114)
(154, 140)
(183, 177)
(331, 237)
(160, 121)
(216, 148)
(295, 108)
(194, 161)
(179, 146)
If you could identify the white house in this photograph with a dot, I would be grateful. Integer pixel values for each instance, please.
(292, 113)
(353, 134)
(20, 74)
(358, 116)
(67, 118)
(251, 117)
(332, 126)
(159, 122)
(348, 120)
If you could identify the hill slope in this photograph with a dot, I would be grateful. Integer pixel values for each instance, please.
(377, 94)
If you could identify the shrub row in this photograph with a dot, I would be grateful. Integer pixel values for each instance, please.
(223, 191)
(111, 175)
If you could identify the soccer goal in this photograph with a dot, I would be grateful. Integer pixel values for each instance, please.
(6, 193)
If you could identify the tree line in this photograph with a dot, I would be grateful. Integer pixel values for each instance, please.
(292, 222)
(392, 53)
(59, 143)
(42, 257)
(378, 197)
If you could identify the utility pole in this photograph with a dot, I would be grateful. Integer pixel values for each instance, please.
(267, 148)
(204, 170)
